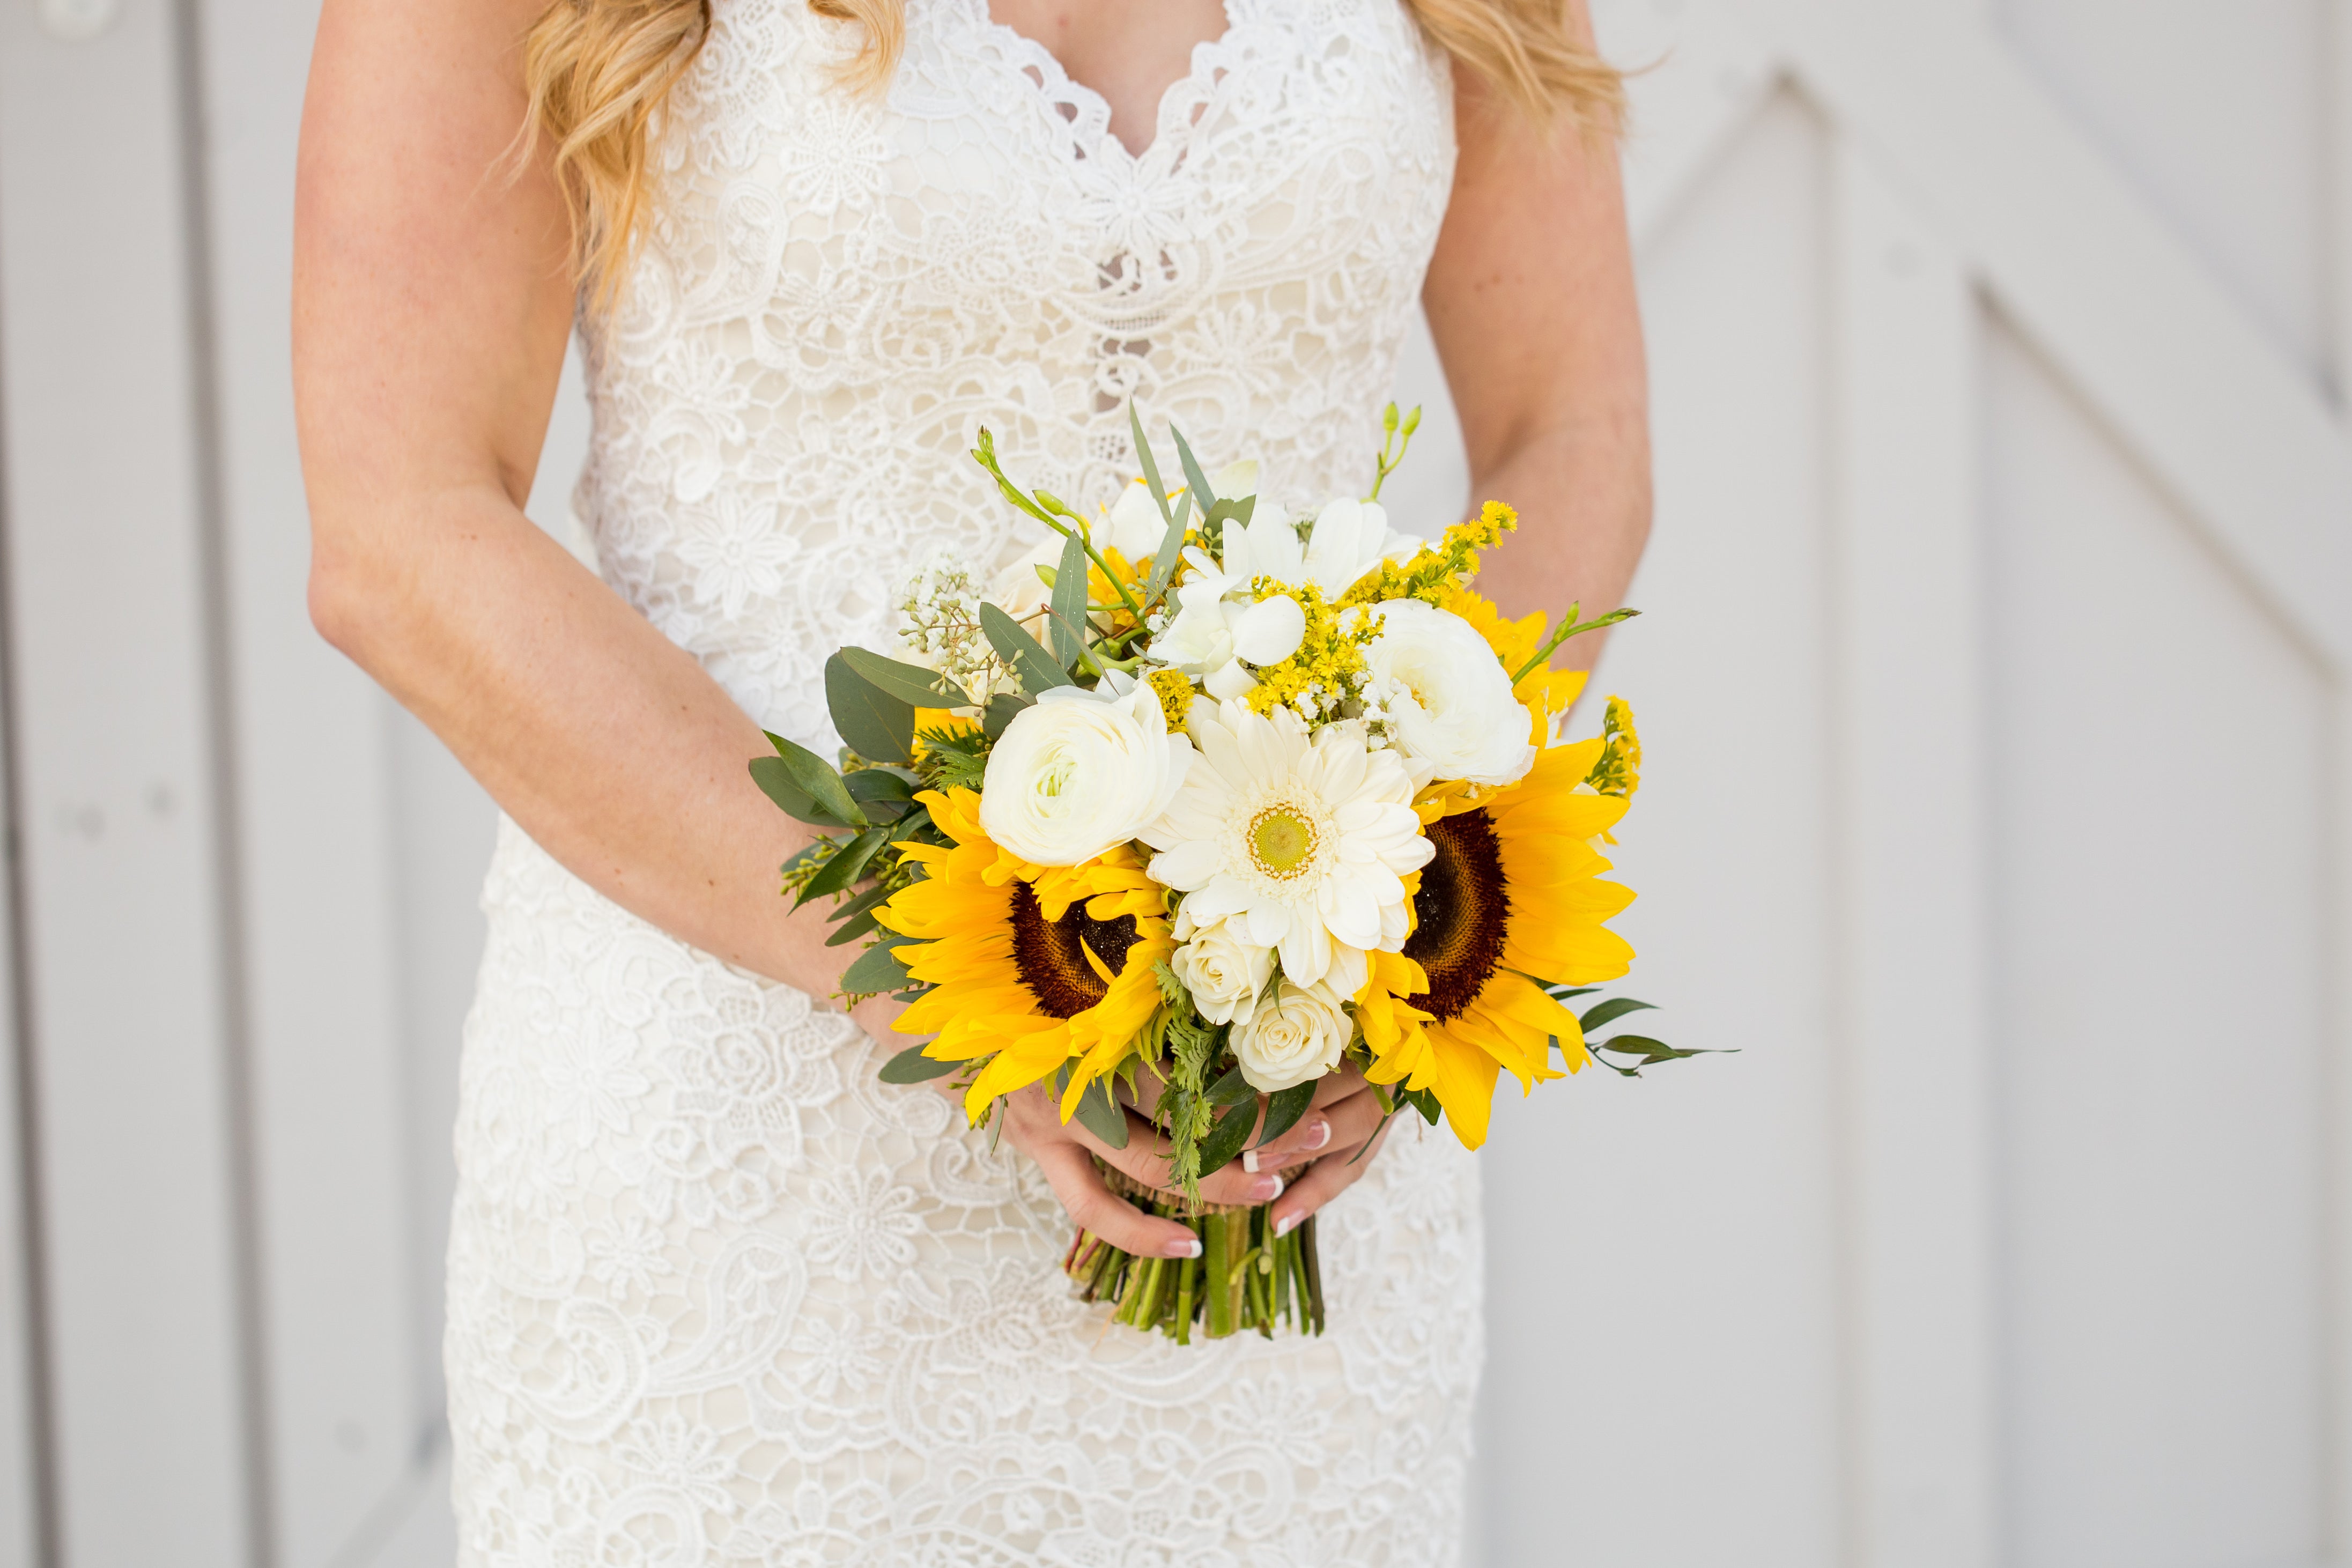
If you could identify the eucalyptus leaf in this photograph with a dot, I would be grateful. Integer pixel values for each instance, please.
(1032, 665)
(884, 793)
(1226, 1139)
(1171, 546)
(907, 683)
(774, 777)
(1282, 1111)
(1651, 1051)
(1607, 1012)
(1101, 1115)
(849, 865)
(911, 1066)
(1194, 479)
(1069, 602)
(1231, 1090)
(1002, 709)
(875, 724)
(817, 778)
(1151, 469)
(857, 910)
(852, 926)
(877, 969)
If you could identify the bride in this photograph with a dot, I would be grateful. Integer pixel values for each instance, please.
(716, 1295)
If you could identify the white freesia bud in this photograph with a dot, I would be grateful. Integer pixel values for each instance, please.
(1448, 697)
(1300, 1033)
(1223, 971)
(1270, 630)
(1079, 772)
(1348, 540)
(1134, 527)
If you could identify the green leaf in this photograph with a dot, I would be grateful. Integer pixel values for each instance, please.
(911, 828)
(1651, 1051)
(911, 1066)
(1284, 1108)
(1101, 1115)
(849, 865)
(1069, 602)
(774, 777)
(884, 793)
(1030, 665)
(1151, 469)
(852, 926)
(907, 683)
(877, 969)
(875, 725)
(1171, 546)
(1425, 1102)
(858, 909)
(1231, 1090)
(817, 780)
(1002, 709)
(1194, 479)
(1224, 511)
(1562, 993)
(1226, 1139)
(1609, 1012)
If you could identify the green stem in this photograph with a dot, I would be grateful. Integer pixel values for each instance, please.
(1314, 1272)
(1220, 1300)
(1573, 628)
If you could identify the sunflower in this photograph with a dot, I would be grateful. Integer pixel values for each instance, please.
(1512, 897)
(1030, 966)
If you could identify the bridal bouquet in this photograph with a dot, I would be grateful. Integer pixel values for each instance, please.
(1203, 804)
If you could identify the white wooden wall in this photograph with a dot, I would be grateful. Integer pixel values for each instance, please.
(1999, 812)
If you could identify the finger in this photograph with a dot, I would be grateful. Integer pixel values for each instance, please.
(1345, 1125)
(1079, 1186)
(1347, 1079)
(1149, 1159)
(1325, 1180)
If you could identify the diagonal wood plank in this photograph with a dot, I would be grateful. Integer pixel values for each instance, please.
(2246, 443)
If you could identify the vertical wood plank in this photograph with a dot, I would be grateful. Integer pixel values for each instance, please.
(2335, 96)
(1913, 908)
(20, 1485)
(349, 1399)
(108, 626)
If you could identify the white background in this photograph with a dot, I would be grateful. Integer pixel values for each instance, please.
(1998, 814)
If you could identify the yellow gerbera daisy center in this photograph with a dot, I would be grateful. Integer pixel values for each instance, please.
(1282, 842)
(1068, 963)
(1460, 913)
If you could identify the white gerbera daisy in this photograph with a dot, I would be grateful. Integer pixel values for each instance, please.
(1302, 842)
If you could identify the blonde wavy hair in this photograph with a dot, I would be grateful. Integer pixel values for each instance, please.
(596, 73)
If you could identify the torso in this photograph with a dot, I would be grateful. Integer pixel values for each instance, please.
(716, 1296)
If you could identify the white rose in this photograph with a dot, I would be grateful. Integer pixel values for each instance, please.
(1299, 1035)
(1225, 972)
(1080, 771)
(1448, 696)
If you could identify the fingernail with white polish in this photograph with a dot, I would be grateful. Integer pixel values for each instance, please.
(1249, 1161)
(1266, 1189)
(1190, 1247)
(1319, 1134)
(1285, 1224)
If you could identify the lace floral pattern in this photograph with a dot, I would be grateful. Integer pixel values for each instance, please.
(716, 1296)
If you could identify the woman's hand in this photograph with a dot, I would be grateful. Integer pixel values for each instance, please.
(1343, 1117)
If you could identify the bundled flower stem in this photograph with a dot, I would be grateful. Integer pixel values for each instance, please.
(1246, 1278)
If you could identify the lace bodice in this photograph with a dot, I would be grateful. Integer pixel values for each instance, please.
(718, 1297)
(837, 294)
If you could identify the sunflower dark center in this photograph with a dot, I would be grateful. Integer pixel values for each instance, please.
(1050, 961)
(1460, 913)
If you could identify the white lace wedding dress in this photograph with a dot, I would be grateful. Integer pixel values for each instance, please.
(716, 1296)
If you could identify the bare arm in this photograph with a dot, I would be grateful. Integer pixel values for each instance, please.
(1530, 299)
(432, 302)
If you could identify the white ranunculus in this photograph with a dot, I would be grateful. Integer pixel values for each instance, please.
(1224, 971)
(1300, 1033)
(1447, 698)
(1081, 772)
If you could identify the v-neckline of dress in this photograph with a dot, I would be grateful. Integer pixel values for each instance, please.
(1049, 66)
